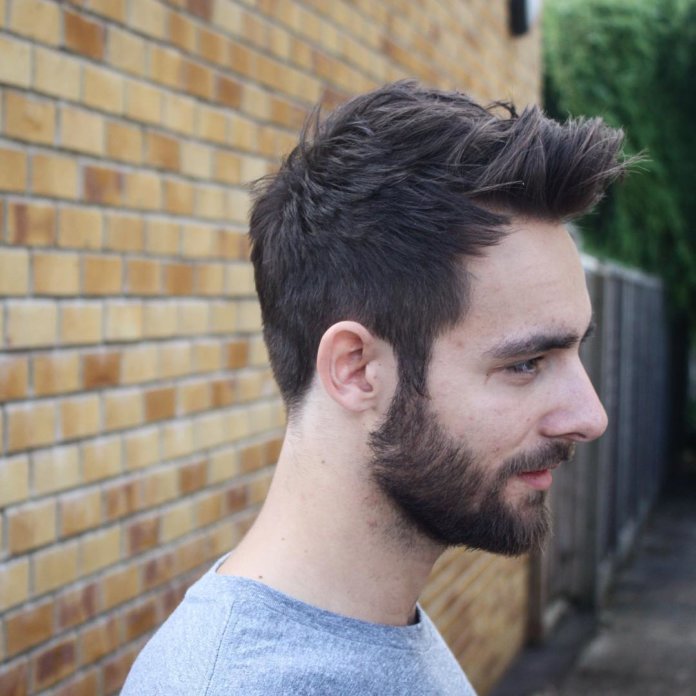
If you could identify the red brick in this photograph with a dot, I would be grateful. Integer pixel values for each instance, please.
(139, 620)
(14, 377)
(83, 36)
(237, 354)
(142, 535)
(101, 370)
(77, 606)
(31, 225)
(98, 640)
(193, 477)
(30, 626)
(14, 679)
(228, 91)
(178, 279)
(103, 185)
(200, 8)
(86, 684)
(160, 404)
(158, 570)
(54, 663)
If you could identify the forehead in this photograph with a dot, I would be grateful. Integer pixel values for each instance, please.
(532, 281)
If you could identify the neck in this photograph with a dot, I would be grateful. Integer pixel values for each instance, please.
(326, 537)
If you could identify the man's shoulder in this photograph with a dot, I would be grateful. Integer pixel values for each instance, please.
(234, 636)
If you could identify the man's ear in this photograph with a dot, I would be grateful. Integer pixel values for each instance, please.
(348, 365)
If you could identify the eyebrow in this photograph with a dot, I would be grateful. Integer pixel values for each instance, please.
(538, 343)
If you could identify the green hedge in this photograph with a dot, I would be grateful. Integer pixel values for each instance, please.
(634, 63)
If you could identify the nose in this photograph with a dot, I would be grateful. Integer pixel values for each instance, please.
(577, 413)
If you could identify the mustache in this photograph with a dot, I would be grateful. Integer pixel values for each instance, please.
(548, 455)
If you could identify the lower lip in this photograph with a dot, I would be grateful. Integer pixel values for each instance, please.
(541, 480)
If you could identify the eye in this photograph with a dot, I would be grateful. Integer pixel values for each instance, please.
(527, 367)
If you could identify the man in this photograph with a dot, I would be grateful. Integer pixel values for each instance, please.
(423, 308)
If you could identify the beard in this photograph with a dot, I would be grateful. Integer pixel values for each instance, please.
(441, 489)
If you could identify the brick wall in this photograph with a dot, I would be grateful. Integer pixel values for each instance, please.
(138, 418)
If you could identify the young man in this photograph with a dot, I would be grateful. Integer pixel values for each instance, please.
(423, 307)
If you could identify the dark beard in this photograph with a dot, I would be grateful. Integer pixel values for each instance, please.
(442, 491)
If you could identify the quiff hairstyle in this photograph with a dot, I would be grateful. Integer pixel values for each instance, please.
(370, 217)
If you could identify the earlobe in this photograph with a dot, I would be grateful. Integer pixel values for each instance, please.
(345, 353)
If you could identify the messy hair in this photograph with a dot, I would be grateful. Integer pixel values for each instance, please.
(372, 216)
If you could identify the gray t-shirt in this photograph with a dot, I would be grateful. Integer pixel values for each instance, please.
(232, 635)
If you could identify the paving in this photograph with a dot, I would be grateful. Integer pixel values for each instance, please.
(644, 643)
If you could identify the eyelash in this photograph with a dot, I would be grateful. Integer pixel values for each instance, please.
(526, 367)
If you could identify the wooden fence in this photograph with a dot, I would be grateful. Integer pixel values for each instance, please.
(601, 500)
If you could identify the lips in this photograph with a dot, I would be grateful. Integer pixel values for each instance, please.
(540, 480)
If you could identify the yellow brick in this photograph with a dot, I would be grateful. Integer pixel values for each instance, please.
(14, 583)
(31, 525)
(123, 410)
(150, 18)
(179, 113)
(165, 66)
(31, 324)
(210, 279)
(179, 197)
(227, 15)
(209, 430)
(239, 280)
(56, 74)
(102, 275)
(56, 274)
(54, 567)
(212, 124)
(196, 159)
(224, 465)
(177, 440)
(56, 373)
(80, 228)
(194, 317)
(113, 9)
(139, 364)
(29, 119)
(124, 142)
(127, 51)
(210, 203)
(55, 176)
(176, 521)
(162, 237)
(124, 321)
(142, 449)
(101, 459)
(238, 204)
(81, 323)
(143, 191)
(14, 479)
(80, 417)
(13, 172)
(207, 357)
(103, 89)
(38, 19)
(199, 240)
(228, 167)
(159, 487)
(248, 316)
(82, 131)
(55, 469)
(79, 511)
(99, 550)
(161, 319)
(224, 317)
(15, 66)
(14, 271)
(143, 102)
(174, 360)
(125, 233)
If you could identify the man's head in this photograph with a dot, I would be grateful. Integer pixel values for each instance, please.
(370, 217)
(417, 219)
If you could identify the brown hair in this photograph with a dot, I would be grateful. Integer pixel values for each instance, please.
(371, 214)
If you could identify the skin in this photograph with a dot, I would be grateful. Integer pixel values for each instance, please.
(505, 382)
